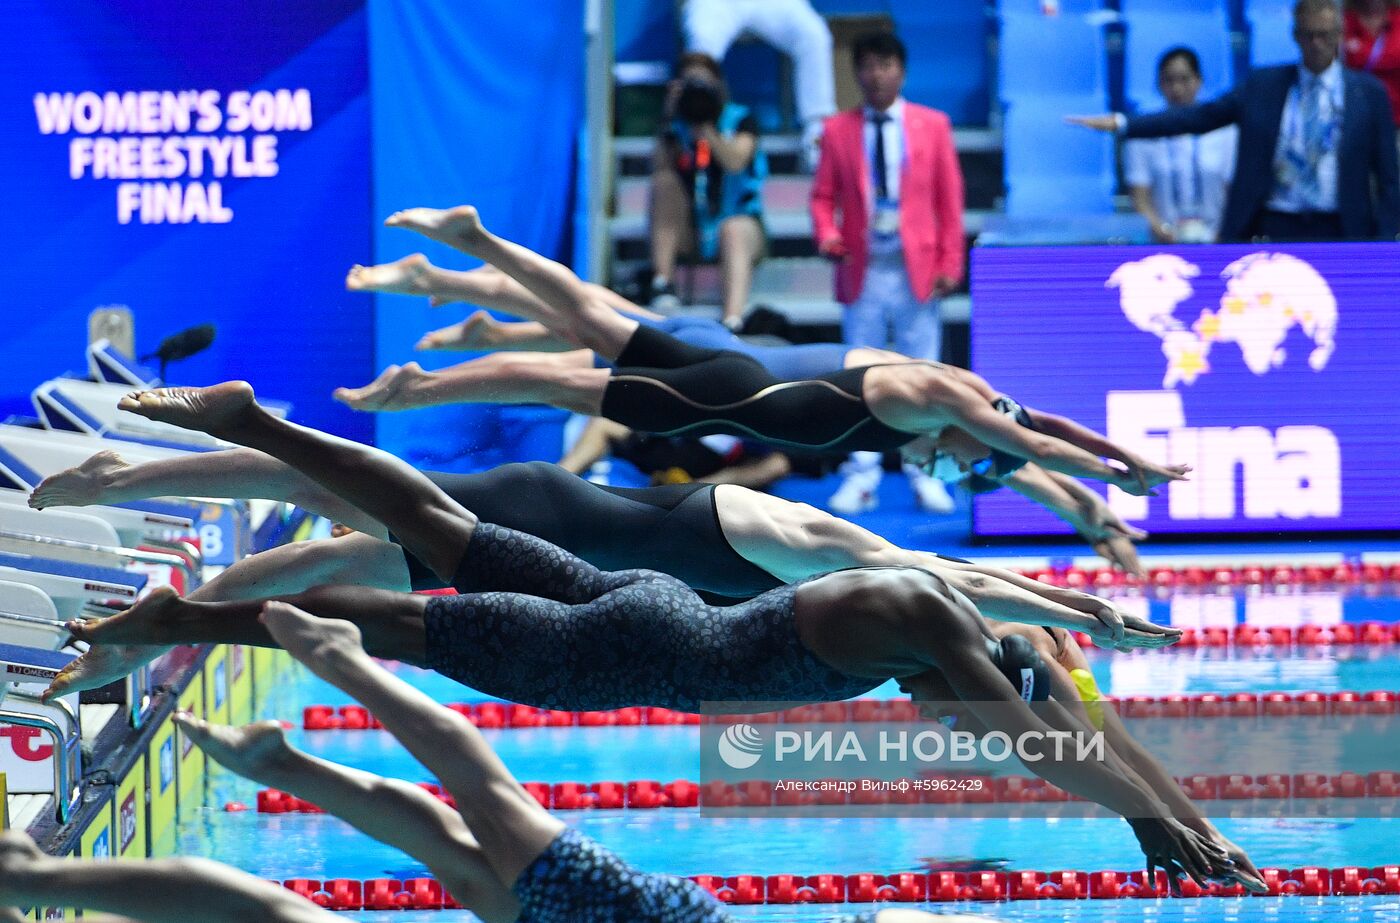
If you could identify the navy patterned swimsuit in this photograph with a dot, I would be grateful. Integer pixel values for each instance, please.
(536, 625)
(578, 880)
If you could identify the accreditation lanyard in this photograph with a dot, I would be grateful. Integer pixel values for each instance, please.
(1189, 201)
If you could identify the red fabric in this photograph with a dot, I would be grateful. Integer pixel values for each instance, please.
(930, 200)
(1356, 49)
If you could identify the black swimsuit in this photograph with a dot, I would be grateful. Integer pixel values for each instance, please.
(673, 529)
(662, 385)
(536, 625)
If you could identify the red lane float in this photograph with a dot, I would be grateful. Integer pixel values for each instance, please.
(647, 794)
(1204, 705)
(900, 887)
(1196, 577)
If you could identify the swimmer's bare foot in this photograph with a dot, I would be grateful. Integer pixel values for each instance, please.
(476, 332)
(392, 390)
(81, 486)
(407, 276)
(215, 409)
(458, 227)
(253, 750)
(102, 664)
(148, 622)
(328, 647)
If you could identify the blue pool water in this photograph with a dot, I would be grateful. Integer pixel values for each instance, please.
(681, 842)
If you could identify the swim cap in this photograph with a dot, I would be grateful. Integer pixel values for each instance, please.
(1089, 694)
(1020, 663)
(983, 475)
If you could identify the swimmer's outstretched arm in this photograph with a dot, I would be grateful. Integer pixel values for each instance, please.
(567, 305)
(155, 891)
(794, 541)
(392, 811)
(966, 409)
(1009, 597)
(1101, 527)
(955, 648)
(1083, 509)
(510, 826)
(1147, 472)
(243, 474)
(1153, 774)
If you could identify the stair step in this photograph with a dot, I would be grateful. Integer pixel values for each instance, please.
(780, 194)
(979, 154)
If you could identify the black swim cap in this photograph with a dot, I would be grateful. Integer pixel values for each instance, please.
(1003, 463)
(985, 474)
(1021, 664)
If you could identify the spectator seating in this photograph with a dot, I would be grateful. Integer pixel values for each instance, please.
(1153, 26)
(1050, 66)
(1270, 32)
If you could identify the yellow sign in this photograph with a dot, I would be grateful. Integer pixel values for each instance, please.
(216, 684)
(131, 807)
(161, 761)
(189, 759)
(97, 840)
(240, 684)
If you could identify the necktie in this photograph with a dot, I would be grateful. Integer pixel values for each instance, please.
(1315, 129)
(881, 178)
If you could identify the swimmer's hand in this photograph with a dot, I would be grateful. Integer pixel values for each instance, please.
(1112, 539)
(1140, 633)
(1143, 475)
(1243, 871)
(1178, 850)
(1237, 868)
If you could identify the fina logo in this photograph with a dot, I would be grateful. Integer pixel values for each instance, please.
(740, 746)
(1266, 295)
(1292, 472)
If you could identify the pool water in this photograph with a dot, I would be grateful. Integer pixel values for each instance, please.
(682, 842)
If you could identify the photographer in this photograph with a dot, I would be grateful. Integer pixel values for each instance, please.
(707, 174)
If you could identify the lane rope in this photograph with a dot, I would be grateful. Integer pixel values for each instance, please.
(899, 887)
(504, 715)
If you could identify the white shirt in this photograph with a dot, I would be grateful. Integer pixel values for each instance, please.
(894, 147)
(1188, 175)
(1292, 142)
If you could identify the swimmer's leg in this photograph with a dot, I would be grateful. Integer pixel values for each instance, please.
(355, 560)
(244, 474)
(155, 891)
(566, 305)
(510, 826)
(566, 380)
(425, 520)
(481, 331)
(392, 811)
(594, 444)
(391, 623)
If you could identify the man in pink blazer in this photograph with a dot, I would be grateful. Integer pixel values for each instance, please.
(890, 170)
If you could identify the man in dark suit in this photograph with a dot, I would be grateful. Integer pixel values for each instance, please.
(1317, 158)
